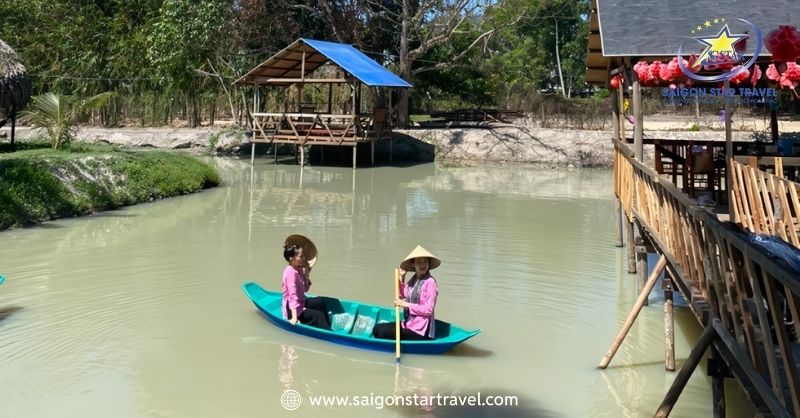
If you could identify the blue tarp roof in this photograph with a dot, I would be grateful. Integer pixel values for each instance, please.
(287, 65)
(356, 63)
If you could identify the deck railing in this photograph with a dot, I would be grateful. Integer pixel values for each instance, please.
(741, 294)
(317, 128)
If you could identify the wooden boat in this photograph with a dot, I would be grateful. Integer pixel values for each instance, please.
(352, 324)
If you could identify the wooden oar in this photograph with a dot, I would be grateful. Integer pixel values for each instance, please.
(396, 317)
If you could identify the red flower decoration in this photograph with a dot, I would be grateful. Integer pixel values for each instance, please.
(756, 75)
(783, 43)
(741, 76)
(772, 73)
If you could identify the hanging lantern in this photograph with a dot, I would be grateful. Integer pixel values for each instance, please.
(642, 70)
(783, 43)
(756, 75)
(615, 82)
(741, 76)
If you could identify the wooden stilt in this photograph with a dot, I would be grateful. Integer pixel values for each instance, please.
(717, 384)
(275, 150)
(372, 152)
(391, 156)
(618, 223)
(686, 371)
(252, 153)
(631, 247)
(669, 325)
(355, 146)
(641, 266)
(637, 307)
(302, 156)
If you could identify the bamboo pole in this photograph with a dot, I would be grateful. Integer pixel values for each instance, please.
(637, 307)
(631, 246)
(616, 108)
(728, 152)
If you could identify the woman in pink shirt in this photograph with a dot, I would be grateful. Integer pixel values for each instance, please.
(417, 297)
(295, 284)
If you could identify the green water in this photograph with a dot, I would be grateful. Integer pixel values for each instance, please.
(139, 312)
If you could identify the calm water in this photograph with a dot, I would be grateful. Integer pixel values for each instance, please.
(139, 312)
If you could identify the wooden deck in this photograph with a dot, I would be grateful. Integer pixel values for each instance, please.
(318, 129)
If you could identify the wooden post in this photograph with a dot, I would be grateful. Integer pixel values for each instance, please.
(686, 371)
(641, 264)
(355, 146)
(717, 383)
(773, 124)
(637, 307)
(638, 126)
(302, 155)
(621, 119)
(630, 246)
(275, 150)
(330, 98)
(620, 123)
(372, 152)
(728, 153)
(669, 324)
(252, 152)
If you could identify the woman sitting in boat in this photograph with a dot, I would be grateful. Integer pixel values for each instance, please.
(417, 297)
(295, 284)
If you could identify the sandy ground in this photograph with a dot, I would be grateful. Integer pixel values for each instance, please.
(501, 143)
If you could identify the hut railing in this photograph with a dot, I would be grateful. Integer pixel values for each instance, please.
(766, 203)
(334, 129)
(739, 292)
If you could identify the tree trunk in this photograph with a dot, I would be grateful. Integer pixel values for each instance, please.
(558, 62)
(405, 66)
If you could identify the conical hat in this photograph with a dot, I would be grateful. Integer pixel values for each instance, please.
(309, 249)
(407, 264)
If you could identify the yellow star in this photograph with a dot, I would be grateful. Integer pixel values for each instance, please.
(716, 20)
(721, 44)
(699, 28)
(708, 24)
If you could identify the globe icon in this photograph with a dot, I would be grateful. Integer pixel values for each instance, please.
(290, 400)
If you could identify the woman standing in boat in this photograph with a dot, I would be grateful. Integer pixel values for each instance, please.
(417, 297)
(295, 284)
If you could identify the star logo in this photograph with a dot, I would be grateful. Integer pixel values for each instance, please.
(722, 44)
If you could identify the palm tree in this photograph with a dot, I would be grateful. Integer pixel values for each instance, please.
(58, 114)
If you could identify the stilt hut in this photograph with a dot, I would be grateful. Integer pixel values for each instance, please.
(15, 87)
(308, 125)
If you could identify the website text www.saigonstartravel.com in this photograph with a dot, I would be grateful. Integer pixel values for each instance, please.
(291, 400)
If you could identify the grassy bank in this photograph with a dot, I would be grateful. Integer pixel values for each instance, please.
(37, 185)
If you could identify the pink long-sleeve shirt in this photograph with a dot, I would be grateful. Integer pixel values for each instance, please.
(421, 314)
(295, 285)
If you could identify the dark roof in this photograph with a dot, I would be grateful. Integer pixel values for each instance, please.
(15, 85)
(651, 29)
(287, 64)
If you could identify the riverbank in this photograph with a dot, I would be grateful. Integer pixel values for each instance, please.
(502, 143)
(43, 184)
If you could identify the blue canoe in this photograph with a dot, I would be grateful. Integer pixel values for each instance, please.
(2, 278)
(352, 324)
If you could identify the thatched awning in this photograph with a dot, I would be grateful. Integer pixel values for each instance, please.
(15, 85)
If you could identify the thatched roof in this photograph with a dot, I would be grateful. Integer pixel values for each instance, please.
(15, 85)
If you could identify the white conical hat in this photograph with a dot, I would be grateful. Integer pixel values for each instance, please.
(407, 264)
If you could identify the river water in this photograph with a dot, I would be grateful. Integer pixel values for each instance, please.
(139, 312)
